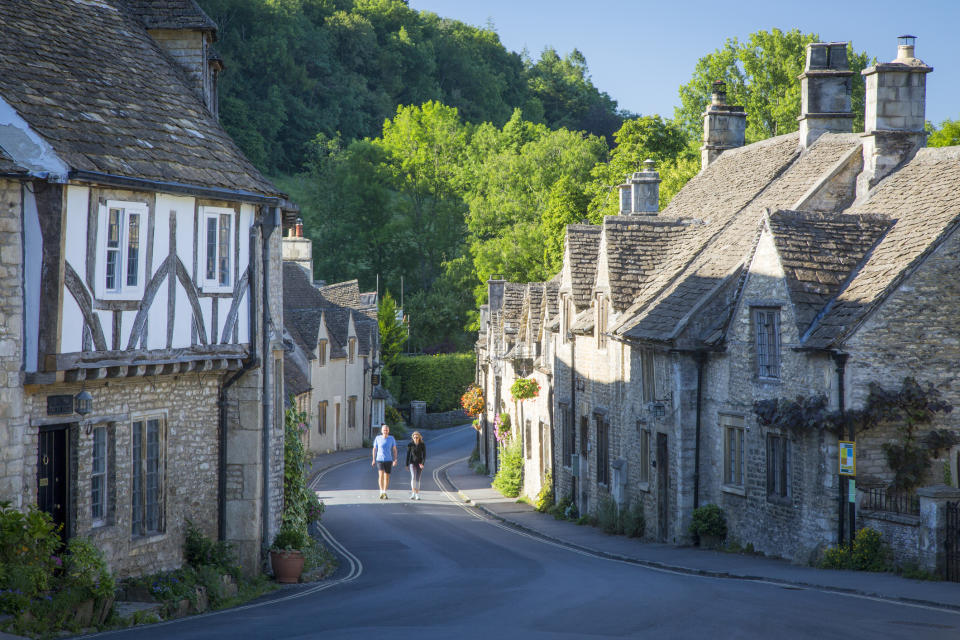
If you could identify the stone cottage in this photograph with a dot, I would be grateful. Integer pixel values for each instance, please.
(333, 350)
(141, 286)
(811, 264)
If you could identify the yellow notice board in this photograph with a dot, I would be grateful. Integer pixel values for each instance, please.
(848, 458)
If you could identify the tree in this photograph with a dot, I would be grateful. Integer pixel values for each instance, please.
(393, 334)
(947, 135)
(761, 75)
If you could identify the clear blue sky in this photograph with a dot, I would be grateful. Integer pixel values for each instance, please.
(640, 52)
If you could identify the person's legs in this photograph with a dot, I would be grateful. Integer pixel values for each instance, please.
(380, 482)
(386, 477)
(415, 472)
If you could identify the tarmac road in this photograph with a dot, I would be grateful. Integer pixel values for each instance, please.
(440, 569)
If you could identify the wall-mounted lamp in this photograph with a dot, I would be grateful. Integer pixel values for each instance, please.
(83, 405)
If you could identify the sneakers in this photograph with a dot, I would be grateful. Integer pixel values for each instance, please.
(413, 496)
(416, 496)
(386, 497)
(383, 496)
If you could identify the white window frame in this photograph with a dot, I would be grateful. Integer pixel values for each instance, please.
(216, 284)
(98, 475)
(734, 449)
(121, 290)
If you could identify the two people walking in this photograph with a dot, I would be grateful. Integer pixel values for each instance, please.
(385, 459)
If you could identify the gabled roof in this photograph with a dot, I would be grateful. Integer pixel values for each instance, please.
(924, 199)
(818, 252)
(551, 299)
(513, 293)
(295, 380)
(582, 243)
(91, 82)
(767, 174)
(532, 306)
(172, 14)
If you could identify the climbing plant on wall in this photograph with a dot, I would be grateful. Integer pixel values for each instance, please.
(910, 408)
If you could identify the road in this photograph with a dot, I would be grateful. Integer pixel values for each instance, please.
(438, 569)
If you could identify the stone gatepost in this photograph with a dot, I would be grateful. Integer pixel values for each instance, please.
(418, 409)
(933, 526)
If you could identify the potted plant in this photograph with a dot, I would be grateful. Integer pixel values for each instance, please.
(286, 554)
(709, 526)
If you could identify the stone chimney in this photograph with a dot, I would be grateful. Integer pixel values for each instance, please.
(495, 287)
(825, 92)
(724, 126)
(298, 249)
(894, 115)
(640, 194)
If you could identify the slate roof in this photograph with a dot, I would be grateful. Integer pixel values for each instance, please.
(582, 243)
(924, 198)
(89, 79)
(513, 293)
(295, 380)
(818, 252)
(172, 14)
(551, 299)
(533, 304)
(8, 166)
(730, 196)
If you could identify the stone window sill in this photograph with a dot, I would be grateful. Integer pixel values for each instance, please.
(643, 486)
(736, 490)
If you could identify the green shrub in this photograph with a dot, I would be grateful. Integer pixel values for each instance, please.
(708, 520)
(85, 569)
(509, 478)
(199, 550)
(868, 553)
(28, 556)
(392, 416)
(399, 431)
(608, 516)
(634, 523)
(564, 509)
(290, 538)
(439, 380)
(544, 499)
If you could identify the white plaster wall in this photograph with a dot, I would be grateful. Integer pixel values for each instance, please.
(75, 230)
(71, 333)
(182, 319)
(157, 320)
(126, 326)
(222, 312)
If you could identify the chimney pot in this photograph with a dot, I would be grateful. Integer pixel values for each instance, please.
(825, 88)
(719, 94)
(724, 126)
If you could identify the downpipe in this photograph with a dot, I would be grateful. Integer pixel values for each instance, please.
(269, 224)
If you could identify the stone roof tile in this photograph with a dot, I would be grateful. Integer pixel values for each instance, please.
(582, 243)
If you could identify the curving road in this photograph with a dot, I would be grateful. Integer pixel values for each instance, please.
(438, 569)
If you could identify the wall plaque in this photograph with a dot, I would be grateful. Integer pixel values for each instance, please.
(59, 405)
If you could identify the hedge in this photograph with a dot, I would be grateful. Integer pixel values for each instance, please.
(440, 379)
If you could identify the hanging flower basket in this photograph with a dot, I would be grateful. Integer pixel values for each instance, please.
(524, 389)
(501, 427)
(472, 400)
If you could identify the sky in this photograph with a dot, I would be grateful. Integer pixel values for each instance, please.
(640, 52)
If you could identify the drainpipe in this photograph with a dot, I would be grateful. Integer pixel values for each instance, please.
(553, 476)
(840, 359)
(252, 362)
(701, 358)
(573, 412)
(269, 224)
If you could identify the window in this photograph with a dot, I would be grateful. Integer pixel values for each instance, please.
(351, 349)
(322, 417)
(528, 440)
(98, 477)
(336, 416)
(733, 433)
(767, 326)
(584, 436)
(646, 375)
(148, 476)
(217, 249)
(567, 443)
(121, 258)
(778, 463)
(644, 455)
(566, 320)
(352, 412)
(321, 353)
(603, 450)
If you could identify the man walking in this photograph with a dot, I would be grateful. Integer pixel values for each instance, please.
(384, 458)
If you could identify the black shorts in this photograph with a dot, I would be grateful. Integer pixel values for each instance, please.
(385, 465)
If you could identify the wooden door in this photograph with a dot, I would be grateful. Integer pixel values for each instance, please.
(52, 475)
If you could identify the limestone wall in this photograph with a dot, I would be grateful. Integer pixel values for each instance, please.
(12, 429)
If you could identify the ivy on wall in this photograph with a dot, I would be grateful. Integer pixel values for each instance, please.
(910, 408)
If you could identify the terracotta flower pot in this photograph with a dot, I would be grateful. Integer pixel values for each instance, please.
(287, 566)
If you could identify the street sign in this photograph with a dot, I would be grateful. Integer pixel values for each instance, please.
(852, 491)
(848, 458)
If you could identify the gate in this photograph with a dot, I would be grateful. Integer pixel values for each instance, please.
(952, 563)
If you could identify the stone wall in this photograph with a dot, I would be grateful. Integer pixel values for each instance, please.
(12, 428)
(187, 404)
(900, 531)
(443, 419)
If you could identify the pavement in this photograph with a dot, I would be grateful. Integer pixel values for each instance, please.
(475, 490)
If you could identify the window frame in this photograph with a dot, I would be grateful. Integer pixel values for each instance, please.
(528, 439)
(351, 350)
(603, 449)
(122, 290)
(352, 412)
(778, 468)
(215, 284)
(140, 524)
(567, 443)
(644, 455)
(322, 417)
(648, 388)
(98, 478)
(321, 353)
(733, 431)
(768, 357)
(602, 317)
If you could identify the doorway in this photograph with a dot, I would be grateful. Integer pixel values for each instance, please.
(663, 476)
(53, 475)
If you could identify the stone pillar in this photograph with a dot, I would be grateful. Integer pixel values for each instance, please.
(645, 190)
(13, 453)
(724, 126)
(825, 92)
(495, 287)
(418, 409)
(299, 250)
(933, 525)
(894, 116)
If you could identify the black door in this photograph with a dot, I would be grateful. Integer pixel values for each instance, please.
(52, 478)
(662, 479)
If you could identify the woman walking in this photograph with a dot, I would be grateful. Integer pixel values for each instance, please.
(416, 457)
(384, 458)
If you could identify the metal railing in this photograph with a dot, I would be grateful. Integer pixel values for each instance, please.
(881, 499)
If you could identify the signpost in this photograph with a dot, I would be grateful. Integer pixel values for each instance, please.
(848, 458)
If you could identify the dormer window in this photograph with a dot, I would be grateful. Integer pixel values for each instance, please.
(321, 353)
(766, 324)
(216, 249)
(351, 350)
(121, 258)
(601, 322)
